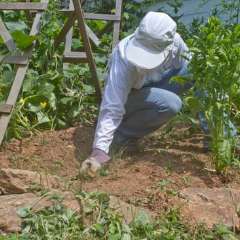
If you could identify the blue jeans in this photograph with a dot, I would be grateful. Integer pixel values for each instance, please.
(150, 107)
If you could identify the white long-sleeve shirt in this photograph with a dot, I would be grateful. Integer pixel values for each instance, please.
(122, 77)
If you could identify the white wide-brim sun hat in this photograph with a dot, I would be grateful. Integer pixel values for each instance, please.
(152, 42)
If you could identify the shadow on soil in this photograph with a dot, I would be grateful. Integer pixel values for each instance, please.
(82, 140)
(180, 157)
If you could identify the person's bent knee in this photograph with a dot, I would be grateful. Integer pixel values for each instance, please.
(175, 105)
(164, 101)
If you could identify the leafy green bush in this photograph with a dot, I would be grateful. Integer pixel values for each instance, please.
(216, 69)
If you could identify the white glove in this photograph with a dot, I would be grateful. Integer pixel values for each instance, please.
(94, 162)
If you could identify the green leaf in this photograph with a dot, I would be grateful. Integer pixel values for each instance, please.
(112, 228)
(19, 25)
(33, 108)
(23, 212)
(1, 40)
(42, 118)
(88, 89)
(142, 218)
(61, 123)
(193, 104)
(98, 228)
(179, 79)
(126, 236)
(115, 236)
(22, 40)
(65, 100)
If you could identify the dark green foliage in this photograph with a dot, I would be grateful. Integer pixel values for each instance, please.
(216, 69)
(22, 40)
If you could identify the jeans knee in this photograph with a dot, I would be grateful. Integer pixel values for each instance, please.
(175, 105)
(164, 101)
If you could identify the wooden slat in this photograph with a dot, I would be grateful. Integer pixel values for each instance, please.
(67, 26)
(7, 38)
(92, 36)
(19, 60)
(87, 48)
(117, 25)
(69, 35)
(98, 16)
(24, 6)
(64, 4)
(116, 18)
(68, 47)
(19, 77)
(5, 108)
(66, 11)
(68, 40)
(69, 8)
(29, 14)
(75, 57)
(106, 17)
(94, 16)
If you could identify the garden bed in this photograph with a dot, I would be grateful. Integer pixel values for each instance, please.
(165, 165)
(171, 170)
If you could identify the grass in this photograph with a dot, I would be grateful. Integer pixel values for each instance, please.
(98, 222)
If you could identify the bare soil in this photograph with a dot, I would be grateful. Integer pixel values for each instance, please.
(152, 178)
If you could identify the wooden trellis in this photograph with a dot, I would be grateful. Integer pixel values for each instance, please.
(75, 12)
(21, 61)
(115, 18)
(79, 57)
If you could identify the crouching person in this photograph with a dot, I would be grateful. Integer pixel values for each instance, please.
(138, 96)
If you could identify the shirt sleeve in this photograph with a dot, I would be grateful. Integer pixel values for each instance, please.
(118, 86)
(183, 55)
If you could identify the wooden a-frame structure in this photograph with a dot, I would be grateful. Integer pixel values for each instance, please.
(115, 18)
(21, 61)
(75, 13)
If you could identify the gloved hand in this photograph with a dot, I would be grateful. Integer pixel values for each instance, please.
(94, 162)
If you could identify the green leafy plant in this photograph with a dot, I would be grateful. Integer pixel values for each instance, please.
(97, 221)
(22, 40)
(216, 69)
